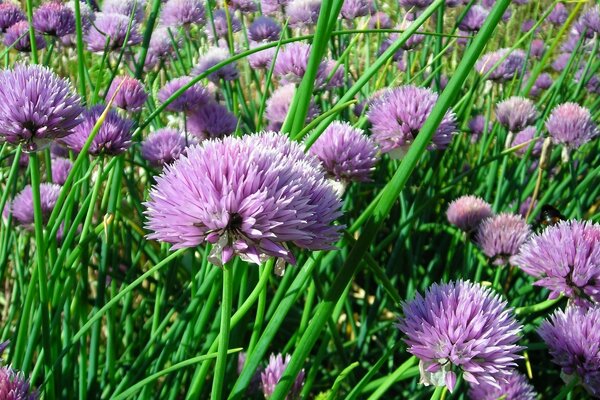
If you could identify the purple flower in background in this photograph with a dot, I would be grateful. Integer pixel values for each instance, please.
(346, 153)
(559, 14)
(61, 167)
(245, 6)
(591, 19)
(212, 57)
(126, 8)
(474, 19)
(163, 147)
(113, 138)
(524, 136)
(477, 126)
(573, 339)
(413, 41)
(22, 205)
(211, 121)
(398, 115)
(131, 96)
(54, 19)
(538, 48)
(176, 13)
(408, 4)
(565, 258)
(543, 82)
(14, 386)
(273, 7)
(220, 24)
(500, 237)
(271, 375)
(292, 61)
(113, 26)
(18, 37)
(511, 65)
(467, 212)
(461, 326)
(161, 46)
(326, 69)
(515, 387)
(352, 9)
(10, 14)
(571, 125)
(380, 20)
(561, 61)
(264, 29)
(36, 106)
(516, 113)
(252, 196)
(194, 97)
(261, 59)
(303, 13)
(279, 103)
(527, 25)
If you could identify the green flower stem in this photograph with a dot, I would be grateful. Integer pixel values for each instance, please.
(139, 68)
(33, 44)
(226, 304)
(393, 378)
(544, 305)
(81, 75)
(438, 392)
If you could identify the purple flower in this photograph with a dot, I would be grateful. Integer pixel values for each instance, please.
(54, 19)
(163, 147)
(346, 153)
(272, 374)
(211, 121)
(467, 212)
(527, 25)
(194, 97)
(515, 387)
(220, 24)
(326, 69)
(130, 97)
(264, 29)
(398, 115)
(14, 386)
(61, 167)
(18, 37)
(380, 20)
(559, 14)
(537, 48)
(22, 205)
(561, 61)
(117, 28)
(291, 62)
(252, 196)
(261, 59)
(461, 326)
(543, 81)
(273, 7)
(161, 46)
(212, 57)
(113, 138)
(500, 237)
(516, 113)
(565, 258)
(10, 14)
(591, 19)
(279, 103)
(474, 19)
(511, 65)
(176, 13)
(303, 13)
(525, 136)
(245, 6)
(413, 41)
(573, 339)
(477, 126)
(571, 125)
(352, 9)
(126, 8)
(408, 4)
(36, 106)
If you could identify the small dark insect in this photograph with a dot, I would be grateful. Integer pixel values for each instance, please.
(550, 216)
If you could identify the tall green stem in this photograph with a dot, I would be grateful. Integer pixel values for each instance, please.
(217, 387)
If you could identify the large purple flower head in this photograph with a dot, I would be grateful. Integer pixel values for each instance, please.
(271, 375)
(18, 37)
(264, 29)
(515, 387)
(565, 258)
(278, 105)
(176, 13)
(525, 136)
(573, 339)
(126, 8)
(559, 14)
(252, 196)
(352, 9)
(291, 62)
(119, 30)
(22, 205)
(36, 106)
(346, 153)
(212, 57)
(506, 70)
(131, 95)
(516, 113)
(194, 97)
(61, 167)
(398, 115)
(501, 236)
(220, 24)
(54, 18)
(10, 14)
(113, 138)
(467, 212)
(211, 121)
(461, 327)
(303, 13)
(474, 19)
(244, 6)
(591, 19)
(15, 386)
(163, 147)
(571, 125)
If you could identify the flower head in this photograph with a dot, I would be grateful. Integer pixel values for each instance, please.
(261, 59)
(161, 46)
(303, 13)
(119, 30)
(501, 236)
(467, 212)
(126, 8)
(380, 20)
(419, 4)
(573, 339)
(565, 258)
(163, 147)
(398, 115)
(516, 113)
(571, 125)
(221, 26)
(252, 196)
(245, 6)
(22, 205)
(54, 18)
(461, 326)
(176, 13)
(264, 29)
(131, 95)
(474, 19)
(591, 19)
(273, 7)
(515, 387)
(211, 121)
(559, 14)
(352, 9)
(212, 57)
(10, 14)
(527, 135)
(292, 62)
(61, 167)
(511, 64)
(477, 125)
(194, 97)
(271, 375)
(346, 153)
(14, 386)
(36, 106)
(278, 106)
(17, 36)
